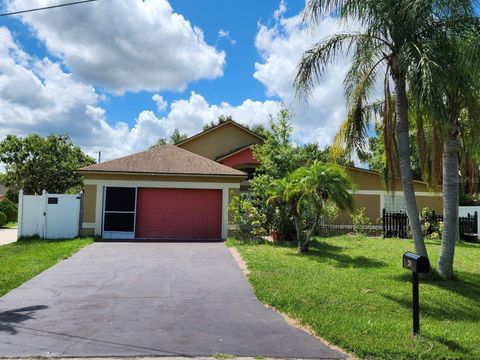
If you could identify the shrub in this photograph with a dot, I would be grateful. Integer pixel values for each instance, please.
(249, 220)
(9, 209)
(329, 212)
(359, 220)
(3, 219)
(430, 227)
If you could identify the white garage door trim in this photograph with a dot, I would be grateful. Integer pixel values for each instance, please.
(101, 184)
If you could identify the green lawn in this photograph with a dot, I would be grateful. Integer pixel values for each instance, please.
(9, 225)
(354, 293)
(24, 259)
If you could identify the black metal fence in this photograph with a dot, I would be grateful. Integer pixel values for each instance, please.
(397, 225)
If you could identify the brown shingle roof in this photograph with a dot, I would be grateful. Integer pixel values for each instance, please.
(167, 159)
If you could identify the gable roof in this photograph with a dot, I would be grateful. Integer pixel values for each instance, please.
(231, 122)
(167, 159)
(234, 152)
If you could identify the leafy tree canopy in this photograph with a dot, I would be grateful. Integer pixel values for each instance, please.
(279, 156)
(175, 138)
(258, 129)
(35, 163)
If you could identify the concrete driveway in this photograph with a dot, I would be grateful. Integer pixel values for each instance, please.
(8, 236)
(158, 299)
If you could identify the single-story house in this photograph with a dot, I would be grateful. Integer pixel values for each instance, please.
(183, 191)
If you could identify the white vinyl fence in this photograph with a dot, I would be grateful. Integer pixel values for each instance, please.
(49, 216)
(465, 210)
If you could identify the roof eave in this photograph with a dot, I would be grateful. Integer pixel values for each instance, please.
(106, 172)
(217, 127)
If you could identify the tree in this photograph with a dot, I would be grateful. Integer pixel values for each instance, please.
(175, 138)
(221, 119)
(258, 129)
(393, 36)
(305, 192)
(277, 157)
(36, 163)
(455, 89)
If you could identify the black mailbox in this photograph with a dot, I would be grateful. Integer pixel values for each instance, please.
(417, 263)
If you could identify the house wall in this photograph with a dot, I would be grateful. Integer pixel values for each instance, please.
(244, 157)
(372, 206)
(369, 180)
(220, 141)
(95, 183)
(370, 194)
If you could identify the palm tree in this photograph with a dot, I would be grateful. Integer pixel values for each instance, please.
(455, 90)
(306, 190)
(387, 49)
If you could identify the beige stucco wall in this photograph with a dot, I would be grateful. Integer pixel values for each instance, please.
(432, 202)
(220, 141)
(371, 203)
(367, 180)
(89, 202)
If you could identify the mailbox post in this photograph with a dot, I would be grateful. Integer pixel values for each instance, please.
(417, 264)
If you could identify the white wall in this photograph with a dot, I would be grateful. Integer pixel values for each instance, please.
(463, 211)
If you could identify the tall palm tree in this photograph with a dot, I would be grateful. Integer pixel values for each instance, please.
(456, 89)
(305, 191)
(391, 40)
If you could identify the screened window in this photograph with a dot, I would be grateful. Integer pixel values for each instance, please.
(394, 204)
(120, 203)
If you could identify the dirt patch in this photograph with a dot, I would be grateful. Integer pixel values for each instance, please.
(239, 260)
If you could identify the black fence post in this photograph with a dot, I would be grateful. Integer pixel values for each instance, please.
(475, 226)
(383, 223)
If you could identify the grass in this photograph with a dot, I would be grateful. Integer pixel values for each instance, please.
(10, 225)
(22, 260)
(353, 292)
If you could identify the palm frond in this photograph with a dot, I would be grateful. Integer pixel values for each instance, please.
(316, 60)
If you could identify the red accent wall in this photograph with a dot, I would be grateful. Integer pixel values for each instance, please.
(244, 157)
(179, 213)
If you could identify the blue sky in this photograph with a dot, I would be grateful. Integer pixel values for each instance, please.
(116, 76)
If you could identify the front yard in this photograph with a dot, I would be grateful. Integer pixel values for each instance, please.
(22, 260)
(353, 292)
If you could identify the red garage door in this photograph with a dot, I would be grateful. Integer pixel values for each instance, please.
(179, 213)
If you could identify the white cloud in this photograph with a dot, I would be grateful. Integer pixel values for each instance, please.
(281, 47)
(38, 96)
(125, 45)
(224, 34)
(161, 103)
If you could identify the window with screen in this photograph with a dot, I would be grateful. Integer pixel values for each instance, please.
(120, 203)
(394, 204)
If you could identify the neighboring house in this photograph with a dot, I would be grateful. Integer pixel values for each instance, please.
(371, 194)
(183, 191)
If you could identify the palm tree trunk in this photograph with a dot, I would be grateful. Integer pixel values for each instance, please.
(405, 164)
(450, 203)
(309, 235)
(299, 234)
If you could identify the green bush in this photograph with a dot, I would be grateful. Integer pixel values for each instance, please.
(250, 222)
(359, 220)
(9, 209)
(3, 219)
